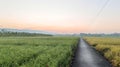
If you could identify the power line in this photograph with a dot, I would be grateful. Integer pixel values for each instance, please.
(100, 11)
(103, 8)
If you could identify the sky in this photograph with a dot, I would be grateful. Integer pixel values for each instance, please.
(61, 16)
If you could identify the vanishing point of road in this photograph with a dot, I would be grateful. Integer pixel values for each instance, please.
(86, 56)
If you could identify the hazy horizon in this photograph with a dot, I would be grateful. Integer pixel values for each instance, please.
(61, 16)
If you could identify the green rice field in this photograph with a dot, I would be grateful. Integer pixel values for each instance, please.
(37, 51)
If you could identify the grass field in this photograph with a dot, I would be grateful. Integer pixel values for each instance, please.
(36, 51)
(109, 47)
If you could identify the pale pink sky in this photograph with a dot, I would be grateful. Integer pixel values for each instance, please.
(62, 16)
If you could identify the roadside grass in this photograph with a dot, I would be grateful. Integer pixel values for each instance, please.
(108, 47)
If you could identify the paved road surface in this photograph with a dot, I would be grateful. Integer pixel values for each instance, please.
(86, 56)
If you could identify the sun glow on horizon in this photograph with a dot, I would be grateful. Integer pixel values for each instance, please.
(66, 16)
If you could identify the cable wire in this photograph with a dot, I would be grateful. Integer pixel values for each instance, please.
(100, 11)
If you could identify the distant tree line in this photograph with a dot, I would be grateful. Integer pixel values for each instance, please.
(101, 35)
(9, 33)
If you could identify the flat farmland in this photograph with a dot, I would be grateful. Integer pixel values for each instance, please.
(37, 51)
(109, 47)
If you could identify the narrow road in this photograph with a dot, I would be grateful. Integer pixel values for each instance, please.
(86, 56)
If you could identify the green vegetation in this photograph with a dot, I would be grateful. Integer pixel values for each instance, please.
(5, 33)
(23, 34)
(109, 47)
(36, 51)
